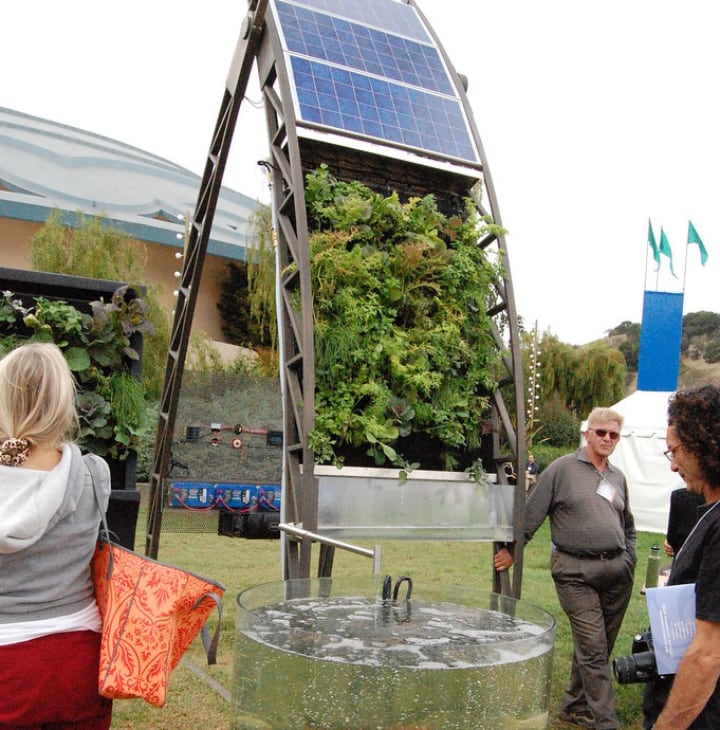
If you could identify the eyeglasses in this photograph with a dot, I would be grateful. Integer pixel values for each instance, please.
(603, 432)
(670, 453)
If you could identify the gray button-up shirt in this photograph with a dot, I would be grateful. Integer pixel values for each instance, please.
(581, 519)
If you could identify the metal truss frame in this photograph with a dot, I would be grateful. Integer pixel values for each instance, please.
(260, 43)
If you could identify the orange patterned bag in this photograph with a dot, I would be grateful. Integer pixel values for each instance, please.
(151, 614)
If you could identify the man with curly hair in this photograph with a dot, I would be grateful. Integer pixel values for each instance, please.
(691, 698)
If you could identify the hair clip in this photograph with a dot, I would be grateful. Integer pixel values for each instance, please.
(13, 452)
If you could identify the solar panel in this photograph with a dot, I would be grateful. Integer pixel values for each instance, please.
(338, 41)
(392, 16)
(381, 78)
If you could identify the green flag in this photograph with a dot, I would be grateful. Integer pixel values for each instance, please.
(666, 250)
(694, 238)
(653, 244)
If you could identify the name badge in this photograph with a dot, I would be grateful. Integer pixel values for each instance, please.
(606, 490)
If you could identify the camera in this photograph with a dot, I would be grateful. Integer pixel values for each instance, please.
(640, 665)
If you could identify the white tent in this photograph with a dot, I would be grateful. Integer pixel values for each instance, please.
(640, 455)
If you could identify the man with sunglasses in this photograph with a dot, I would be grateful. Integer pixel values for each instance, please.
(691, 698)
(592, 564)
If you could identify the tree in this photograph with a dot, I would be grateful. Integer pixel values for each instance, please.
(93, 249)
(247, 294)
(261, 276)
(599, 377)
(630, 344)
(631, 329)
(712, 351)
(557, 364)
(631, 352)
(97, 251)
(698, 328)
(234, 306)
(573, 380)
(700, 323)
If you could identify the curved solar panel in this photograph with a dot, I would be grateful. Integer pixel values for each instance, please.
(370, 68)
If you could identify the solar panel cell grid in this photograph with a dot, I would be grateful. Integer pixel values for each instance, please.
(372, 81)
(374, 51)
(386, 14)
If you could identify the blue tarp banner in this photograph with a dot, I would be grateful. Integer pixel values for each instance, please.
(660, 334)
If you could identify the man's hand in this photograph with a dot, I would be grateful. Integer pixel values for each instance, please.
(503, 559)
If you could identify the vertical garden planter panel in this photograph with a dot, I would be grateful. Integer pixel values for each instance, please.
(79, 292)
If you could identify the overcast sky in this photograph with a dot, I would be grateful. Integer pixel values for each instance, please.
(594, 116)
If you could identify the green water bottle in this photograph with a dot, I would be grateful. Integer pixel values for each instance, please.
(653, 567)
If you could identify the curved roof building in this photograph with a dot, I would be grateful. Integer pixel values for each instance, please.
(46, 166)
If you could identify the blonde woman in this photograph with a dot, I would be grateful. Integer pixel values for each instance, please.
(49, 621)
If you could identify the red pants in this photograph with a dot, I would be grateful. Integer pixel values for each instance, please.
(51, 684)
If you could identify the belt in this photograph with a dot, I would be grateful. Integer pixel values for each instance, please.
(590, 555)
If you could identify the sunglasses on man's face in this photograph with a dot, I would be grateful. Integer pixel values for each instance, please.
(603, 432)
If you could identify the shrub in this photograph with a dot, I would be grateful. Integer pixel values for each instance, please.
(560, 428)
(712, 351)
(545, 453)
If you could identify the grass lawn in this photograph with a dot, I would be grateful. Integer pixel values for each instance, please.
(198, 694)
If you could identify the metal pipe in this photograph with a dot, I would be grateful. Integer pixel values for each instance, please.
(302, 533)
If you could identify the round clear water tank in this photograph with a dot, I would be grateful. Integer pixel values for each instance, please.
(333, 654)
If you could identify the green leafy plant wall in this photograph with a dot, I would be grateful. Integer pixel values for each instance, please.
(405, 360)
(98, 349)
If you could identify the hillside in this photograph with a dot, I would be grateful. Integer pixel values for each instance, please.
(698, 372)
(694, 370)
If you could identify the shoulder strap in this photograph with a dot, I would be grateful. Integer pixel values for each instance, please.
(91, 464)
(210, 643)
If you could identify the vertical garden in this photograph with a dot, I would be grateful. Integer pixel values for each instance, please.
(100, 342)
(405, 358)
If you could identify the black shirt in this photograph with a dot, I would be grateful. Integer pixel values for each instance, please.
(683, 516)
(697, 562)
